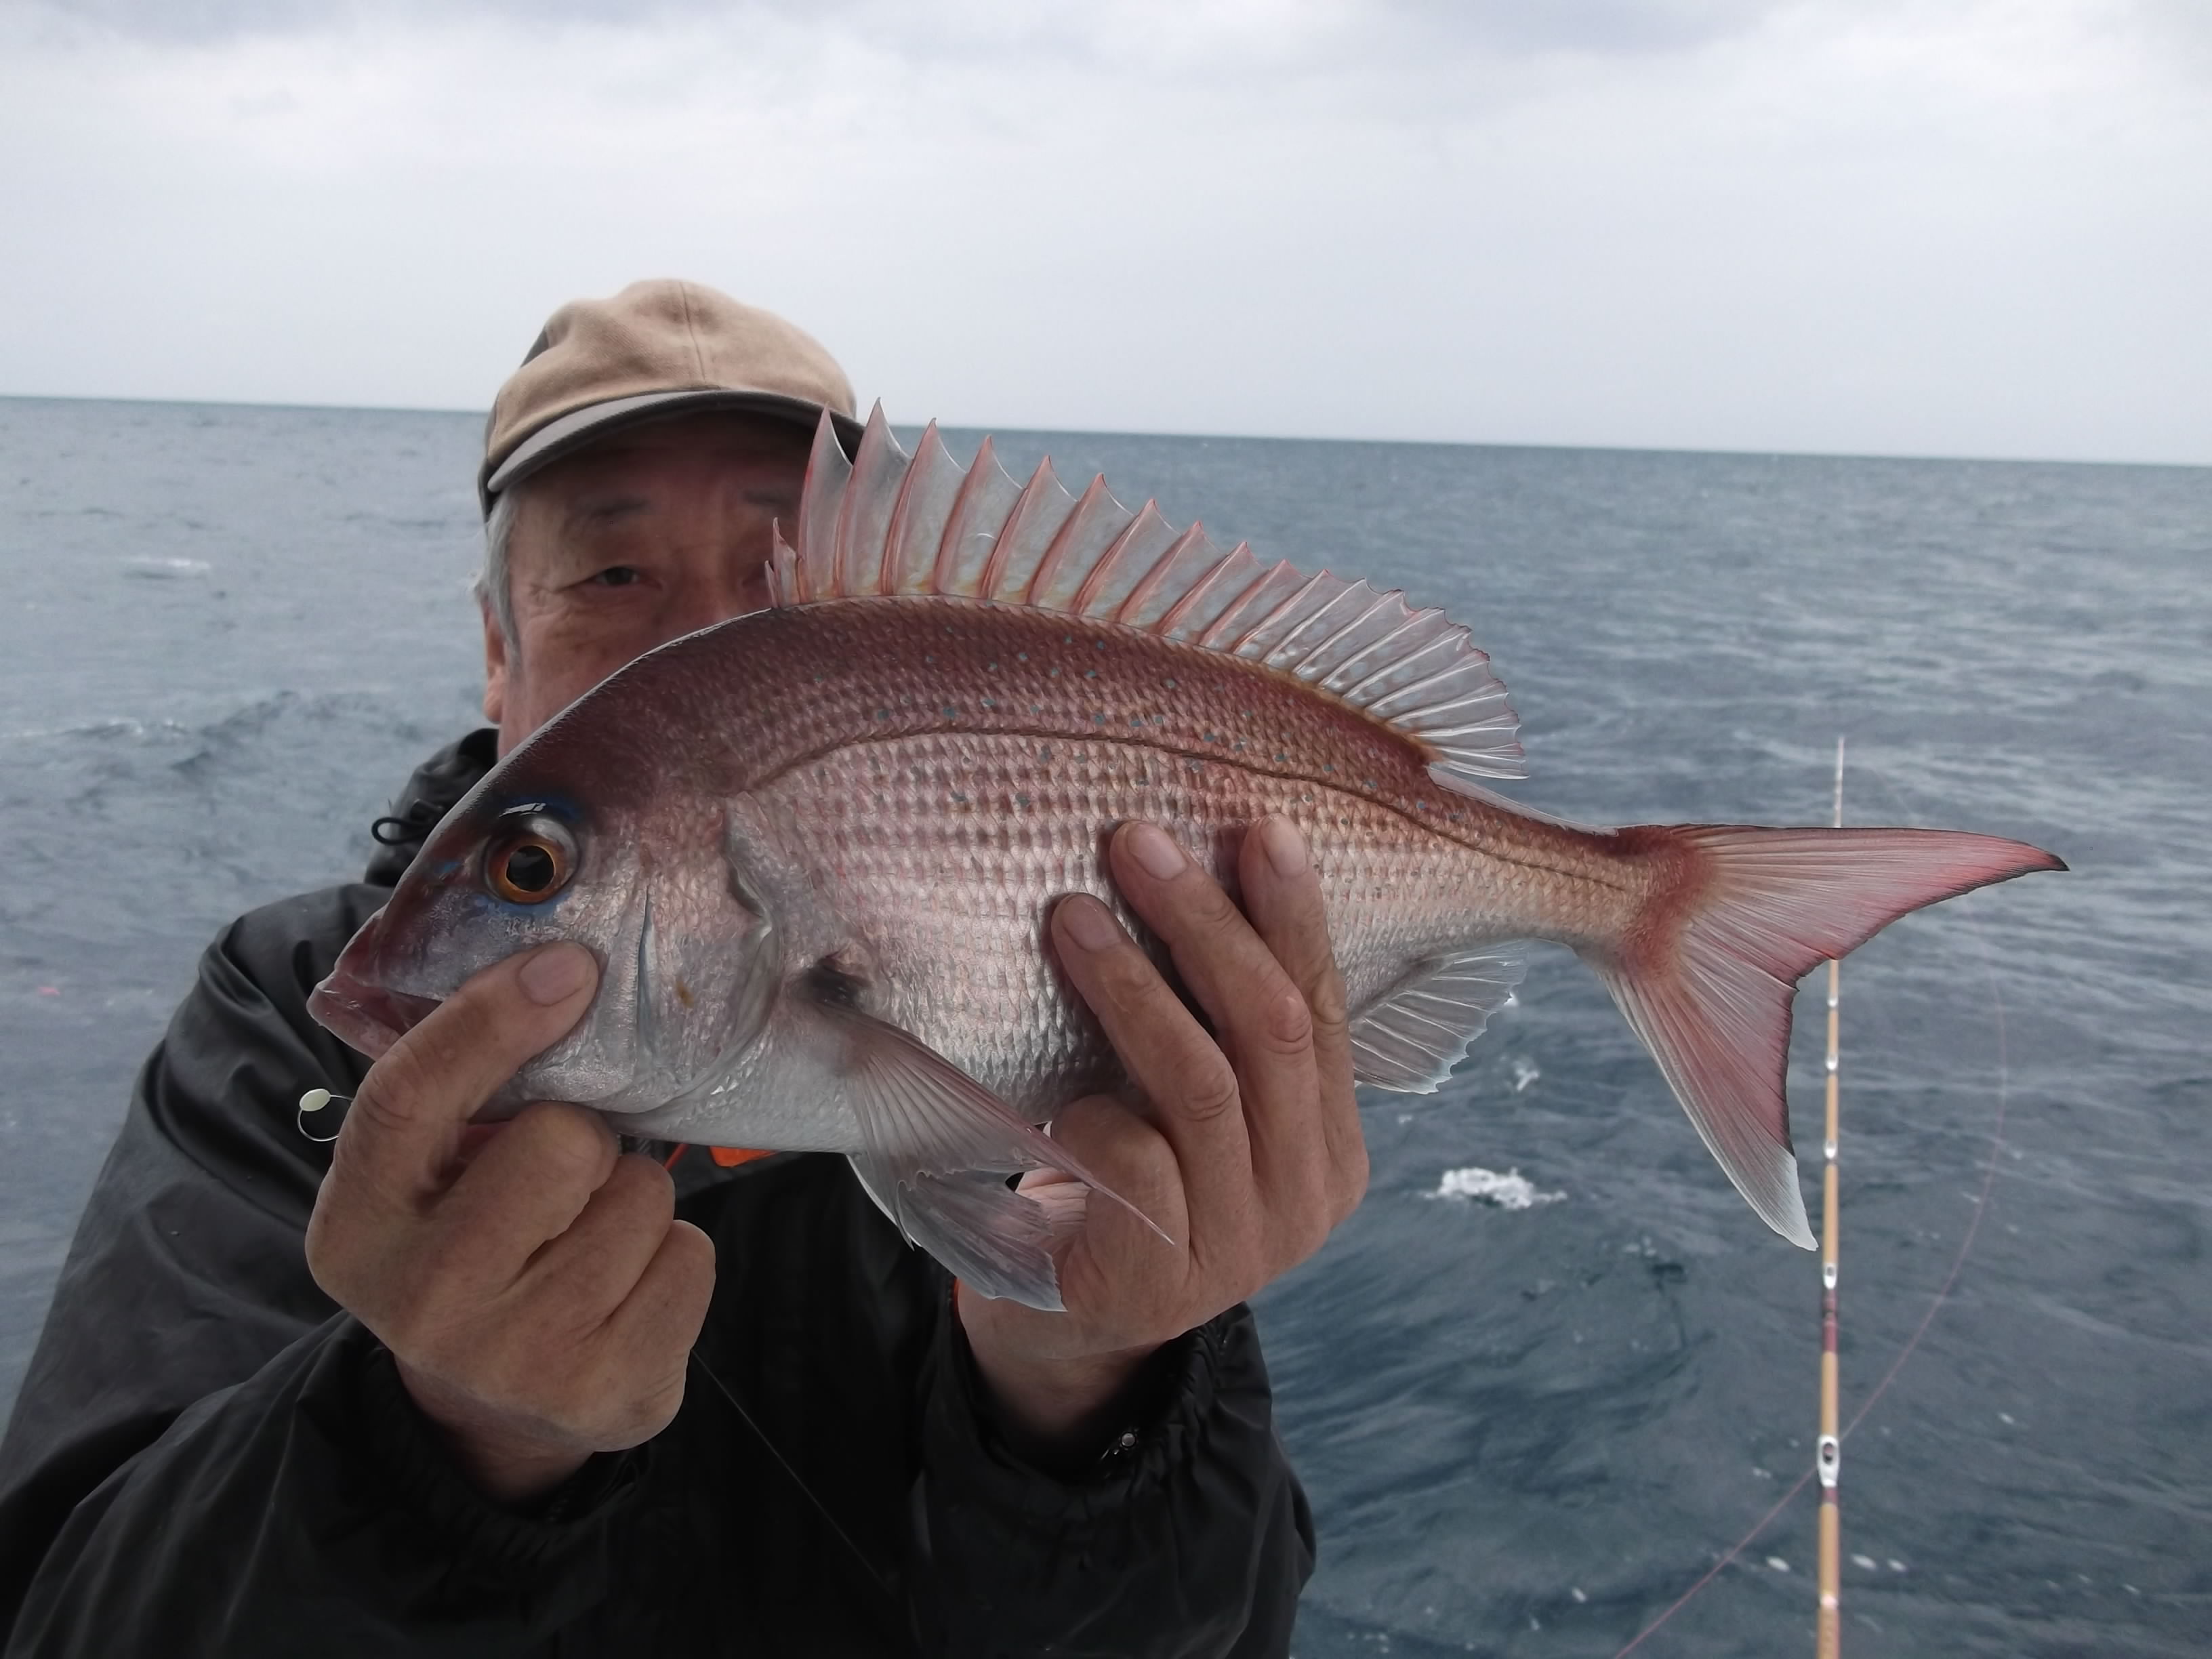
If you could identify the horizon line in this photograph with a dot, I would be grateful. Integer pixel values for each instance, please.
(1231, 437)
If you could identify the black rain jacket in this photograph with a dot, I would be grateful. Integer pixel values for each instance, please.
(210, 1457)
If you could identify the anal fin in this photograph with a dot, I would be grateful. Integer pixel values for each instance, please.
(1409, 1039)
(938, 1148)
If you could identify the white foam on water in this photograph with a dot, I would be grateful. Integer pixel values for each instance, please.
(1509, 1191)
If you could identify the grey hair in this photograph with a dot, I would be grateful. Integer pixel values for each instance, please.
(494, 588)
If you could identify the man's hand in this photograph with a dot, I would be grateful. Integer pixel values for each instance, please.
(535, 1288)
(1248, 1150)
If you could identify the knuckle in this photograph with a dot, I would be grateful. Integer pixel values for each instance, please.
(642, 1188)
(1315, 1221)
(1202, 906)
(1326, 1005)
(647, 1407)
(1090, 1123)
(569, 1142)
(1129, 970)
(385, 1105)
(1350, 1187)
(330, 1263)
(1210, 1089)
(1144, 1160)
(1127, 982)
(1286, 1021)
(694, 1256)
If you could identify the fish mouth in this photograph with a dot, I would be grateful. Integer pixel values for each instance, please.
(369, 1017)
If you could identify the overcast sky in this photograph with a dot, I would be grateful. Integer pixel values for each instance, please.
(1920, 227)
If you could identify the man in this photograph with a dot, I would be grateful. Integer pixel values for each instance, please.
(524, 1392)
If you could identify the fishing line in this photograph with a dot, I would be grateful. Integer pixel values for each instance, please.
(1950, 1279)
(314, 1101)
(1997, 1135)
(807, 1492)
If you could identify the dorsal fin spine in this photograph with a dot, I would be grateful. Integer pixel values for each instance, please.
(1202, 587)
(1416, 688)
(1026, 508)
(1288, 607)
(826, 473)
(781, 580)
(1291, 653)
(955, 522)
(1382, 601)
(875, 437)
(1382, 651)
(1101, 569)
(1216, 637)
(887, 568)
(1071, 529)
(1453, 711)
(1158, 575)
(884, 523)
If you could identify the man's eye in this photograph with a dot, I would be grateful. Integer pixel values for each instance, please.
(618, 575)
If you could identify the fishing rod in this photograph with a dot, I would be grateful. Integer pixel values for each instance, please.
(1936, 1302)
(1828, 1628)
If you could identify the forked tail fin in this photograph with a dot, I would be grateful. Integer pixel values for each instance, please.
(1706, 974)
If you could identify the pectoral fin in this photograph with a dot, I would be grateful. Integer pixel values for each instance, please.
(938, 1147)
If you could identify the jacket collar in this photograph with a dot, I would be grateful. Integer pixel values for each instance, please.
(438, 784)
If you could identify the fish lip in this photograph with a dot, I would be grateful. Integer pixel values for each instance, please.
(369, 1018)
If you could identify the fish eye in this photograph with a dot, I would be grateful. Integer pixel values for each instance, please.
(530, 862)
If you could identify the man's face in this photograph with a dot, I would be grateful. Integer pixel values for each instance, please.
(628, 545)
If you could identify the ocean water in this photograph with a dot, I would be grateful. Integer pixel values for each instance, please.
(1554, 1369)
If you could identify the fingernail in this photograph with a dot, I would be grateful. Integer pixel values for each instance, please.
(555, 973)
(1284, 847)
(1150, 846)
(1089, 924)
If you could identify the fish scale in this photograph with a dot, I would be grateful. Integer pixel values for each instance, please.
(815, 848)
(946, 896)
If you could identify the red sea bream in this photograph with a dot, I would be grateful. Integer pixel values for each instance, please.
(814, 847)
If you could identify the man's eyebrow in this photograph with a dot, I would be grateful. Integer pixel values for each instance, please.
(601, 509)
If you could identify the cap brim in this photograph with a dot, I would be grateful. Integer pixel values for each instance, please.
(593, 422)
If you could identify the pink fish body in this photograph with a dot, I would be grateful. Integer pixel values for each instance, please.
(814, 848)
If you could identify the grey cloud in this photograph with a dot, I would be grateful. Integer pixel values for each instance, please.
(203, 23)
(1603, 27)
(1508, 26)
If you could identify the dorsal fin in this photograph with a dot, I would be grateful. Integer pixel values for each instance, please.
(884, 523)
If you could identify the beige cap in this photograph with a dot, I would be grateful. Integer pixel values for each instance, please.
(657, 349)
